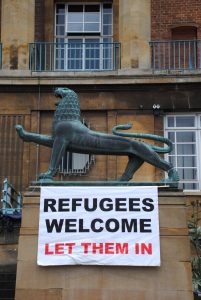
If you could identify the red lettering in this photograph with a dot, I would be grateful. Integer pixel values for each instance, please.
(97, 247)
(109, 248)
(146, 248)
(86, 247)
(47, 251)
(122, 248)
(137, 248)
(59, 248)
(70, 247)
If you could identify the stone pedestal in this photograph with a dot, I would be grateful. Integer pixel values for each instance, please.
(171, 281)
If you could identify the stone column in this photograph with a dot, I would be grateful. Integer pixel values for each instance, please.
(17, 31)
(134, 33)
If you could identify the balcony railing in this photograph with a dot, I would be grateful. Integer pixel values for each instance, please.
(11, 200)
(74, 56)
(178, 55)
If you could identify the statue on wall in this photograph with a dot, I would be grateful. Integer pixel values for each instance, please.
(68, 133)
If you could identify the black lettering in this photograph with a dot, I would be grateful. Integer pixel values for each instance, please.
(129, 226)
(133, 203)
(63, 205)
(75, 203)
(109, 227)
(120, 204)
(145, 223)
(93, 225)
(108, 206)
(49, 203)
(54, 224)
(94, 204)
(81, 226)
(148, 204)
(69, 224)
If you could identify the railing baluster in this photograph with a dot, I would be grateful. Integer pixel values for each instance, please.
(199, 49)
(169, 55)
(179, 62)
(159, 56)
(189, 55)
(45, 61)
(50, 57)
(40, 57)
(174, 55)
(164, 62)
(195, 54)
(35, 57)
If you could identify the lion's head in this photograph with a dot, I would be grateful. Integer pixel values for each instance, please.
(63, 92)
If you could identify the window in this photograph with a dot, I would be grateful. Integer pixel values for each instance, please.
(185, 133)
(83, 37)
(76, 163)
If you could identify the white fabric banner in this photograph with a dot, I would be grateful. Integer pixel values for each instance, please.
(99, 226)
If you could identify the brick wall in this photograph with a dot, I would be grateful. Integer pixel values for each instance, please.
(39, 20)
(167, 14)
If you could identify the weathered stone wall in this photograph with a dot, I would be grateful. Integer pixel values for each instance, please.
(134, 33)
(17, 30)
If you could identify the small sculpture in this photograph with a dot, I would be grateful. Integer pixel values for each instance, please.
(70, 134)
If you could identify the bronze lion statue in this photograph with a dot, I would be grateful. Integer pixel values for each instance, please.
(68, 133)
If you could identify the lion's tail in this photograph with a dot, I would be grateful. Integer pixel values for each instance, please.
(144, 136)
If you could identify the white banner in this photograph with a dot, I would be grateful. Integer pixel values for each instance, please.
(99, 226)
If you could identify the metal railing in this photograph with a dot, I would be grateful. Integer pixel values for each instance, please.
(11, 200)
(176, 55)
(74, 56)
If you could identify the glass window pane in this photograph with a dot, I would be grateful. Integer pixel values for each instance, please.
(60, 30)
(170, 121)
(107, 29)
(60, 19)
(107, 40)
(93, 27)
(91, 17)
(186, 149)
(107, 19)
(60, 40)
(185, 136)
(186, 161)
(171, 136)
(75, 27)
(185, 121)
(190, 186)
(75, 17)
(92, 8)
(187, 174)
(60, 9)
(172, 160)
(59, 64)
(107, 8)
(75, 8)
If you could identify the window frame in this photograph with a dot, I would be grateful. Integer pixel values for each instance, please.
(105, 63)
(197, 130)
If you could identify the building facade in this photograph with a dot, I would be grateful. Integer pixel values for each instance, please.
(128, 60)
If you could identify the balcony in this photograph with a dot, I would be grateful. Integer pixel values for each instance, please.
(175, 55)
(74, 56)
